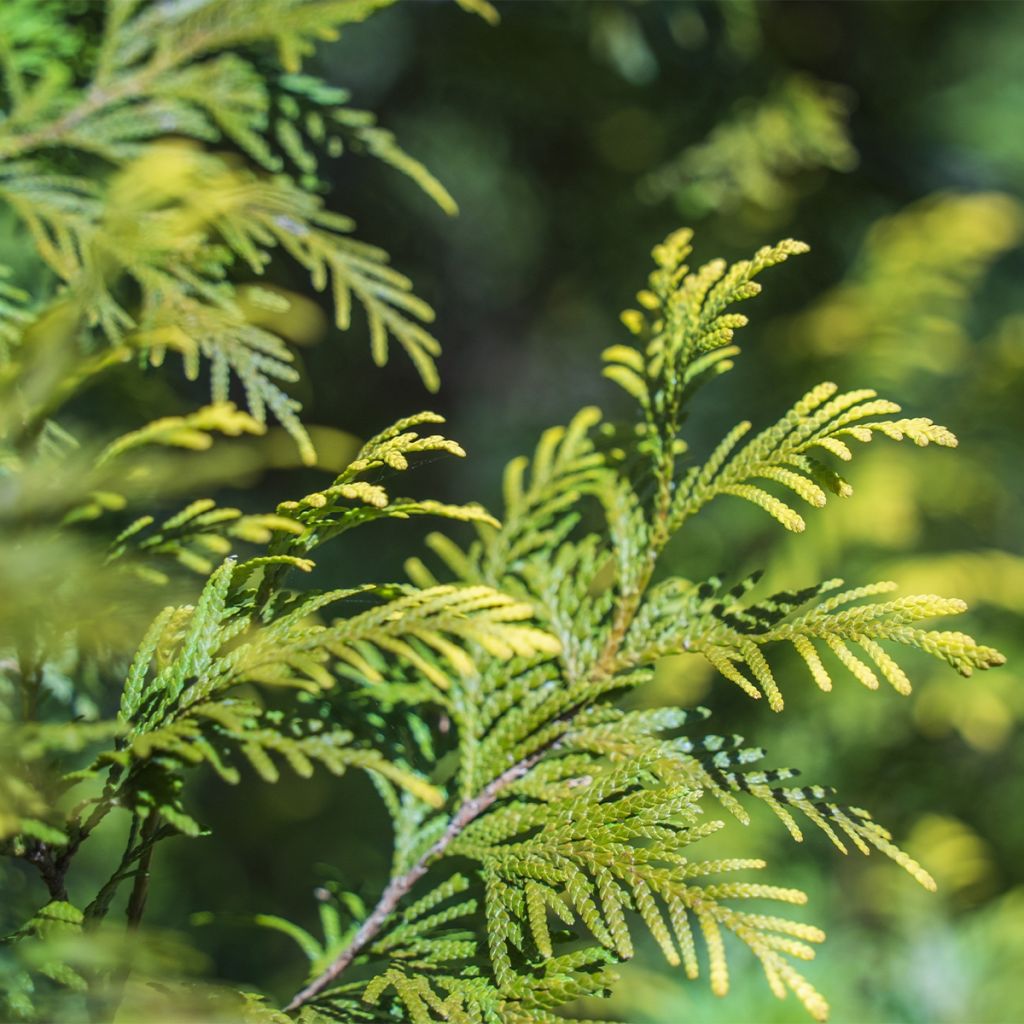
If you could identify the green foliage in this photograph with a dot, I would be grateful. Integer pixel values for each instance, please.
(752, 158)
(543, 815)
(146, 249)
(902, 310)
(593, 818)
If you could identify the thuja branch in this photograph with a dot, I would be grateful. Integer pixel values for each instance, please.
(97, 99)
(103, 95)
(472, 808)
(400, 886)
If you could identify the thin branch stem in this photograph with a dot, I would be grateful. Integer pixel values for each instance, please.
(140, 890)
(398, 887)
(605, 665)
(98, 907)
(149, 833)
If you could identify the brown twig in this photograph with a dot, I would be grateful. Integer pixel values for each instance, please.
(398, 887)
(140, 888)
(41, 855)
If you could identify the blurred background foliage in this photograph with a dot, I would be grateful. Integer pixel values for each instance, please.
(573, 136)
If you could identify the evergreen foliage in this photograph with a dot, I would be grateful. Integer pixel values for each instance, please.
(913, 277)
(141, 249)
(543, 820)
(752, 157)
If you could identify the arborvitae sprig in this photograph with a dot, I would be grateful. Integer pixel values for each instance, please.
(175, 221)
(576, 811)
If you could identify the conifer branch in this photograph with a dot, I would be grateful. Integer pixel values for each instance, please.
(600, 825)
(401, 885)
(471, 809)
